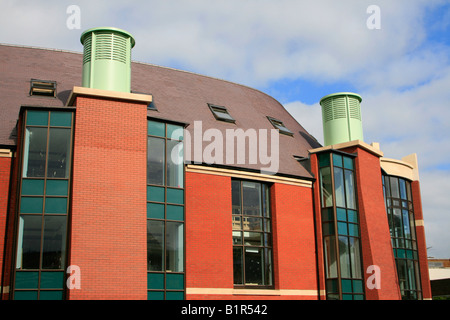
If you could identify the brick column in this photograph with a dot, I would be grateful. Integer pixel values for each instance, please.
(108, 216)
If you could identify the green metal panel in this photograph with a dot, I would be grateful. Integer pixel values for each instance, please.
(107, 59)
(341, 116)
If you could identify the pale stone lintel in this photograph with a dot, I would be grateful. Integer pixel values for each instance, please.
(248, 175)
(405, 168)
(420, 223)
(257, 292)
(6, 153)
(82, 91)
(5, 289)
(374, 148)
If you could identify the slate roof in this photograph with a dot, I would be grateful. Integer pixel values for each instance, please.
(178, 95)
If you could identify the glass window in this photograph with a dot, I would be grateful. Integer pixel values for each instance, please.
(35, 152)
(155, 161)
(221, 113)
(59, 153)
(339, 187)
(252, 239)
(54, 246)
(175, 247)
(175, 163)
(327, 188)
(155, 245)
(29, 242)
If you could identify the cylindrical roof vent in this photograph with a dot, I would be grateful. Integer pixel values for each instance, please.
(107, 59)
(341, 117)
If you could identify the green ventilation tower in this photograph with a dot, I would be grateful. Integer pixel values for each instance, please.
(341, 116)
(107, 59)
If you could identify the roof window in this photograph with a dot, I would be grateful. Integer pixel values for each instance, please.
(221, 113)
(280, 126)
(45, 88)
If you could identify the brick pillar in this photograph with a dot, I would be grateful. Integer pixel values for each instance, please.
(5, 173)
(421, 243)
(375, 235)
(108, 226)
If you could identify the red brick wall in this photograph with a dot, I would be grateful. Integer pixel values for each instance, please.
(294, 238)
(109, 233)
(421, 242)
(209, 249)
(375, 235)
(5, 173)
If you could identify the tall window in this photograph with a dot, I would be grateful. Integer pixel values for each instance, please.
(340, 227)
(165, 211)
(400, 211)
(252, 238)
(43, 205)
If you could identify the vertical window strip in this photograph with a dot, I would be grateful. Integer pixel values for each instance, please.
(340, 226)
(400, 211)
(43, 205)
(165, 212)
(252, 237)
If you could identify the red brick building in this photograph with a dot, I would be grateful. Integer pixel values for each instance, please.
(125, 180)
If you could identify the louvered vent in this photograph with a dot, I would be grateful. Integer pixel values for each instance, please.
(111, 47)
(107, 59)
(87, 49)
(354, 109)
(341, 113)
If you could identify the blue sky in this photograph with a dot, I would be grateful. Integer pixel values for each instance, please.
(296, 51)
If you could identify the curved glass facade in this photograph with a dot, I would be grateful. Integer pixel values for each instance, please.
(400, 211)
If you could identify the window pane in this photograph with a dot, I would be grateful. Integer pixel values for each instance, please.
(156, 128)
(337, 160)
(60, 119)
(175, 164)
(155, 245)
(326, 187)
(155, 161)
(31, 204)
(394, 187)
(56, 205)
(175, 132)
(29, 242)
(355, 257)
(251, 198)
(268, 267)
(27, 280)
(57, 187)
(54, 248)
(236, 196)
(252, 224)
(59, 153)
(254, 262)
(35, 148)
(350, 189)
(253, 238)
(237, 265)
(37, 118)
(344, 257)
(339, 187)
(175, 247)
(33, 187)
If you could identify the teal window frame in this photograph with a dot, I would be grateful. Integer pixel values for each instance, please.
(166, 217)
(44, 198)
(400, 212)
(344, 279)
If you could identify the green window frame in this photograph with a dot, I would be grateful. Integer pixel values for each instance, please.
(340, 227)
(400, 212)
(165, 211)
(43, 206)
